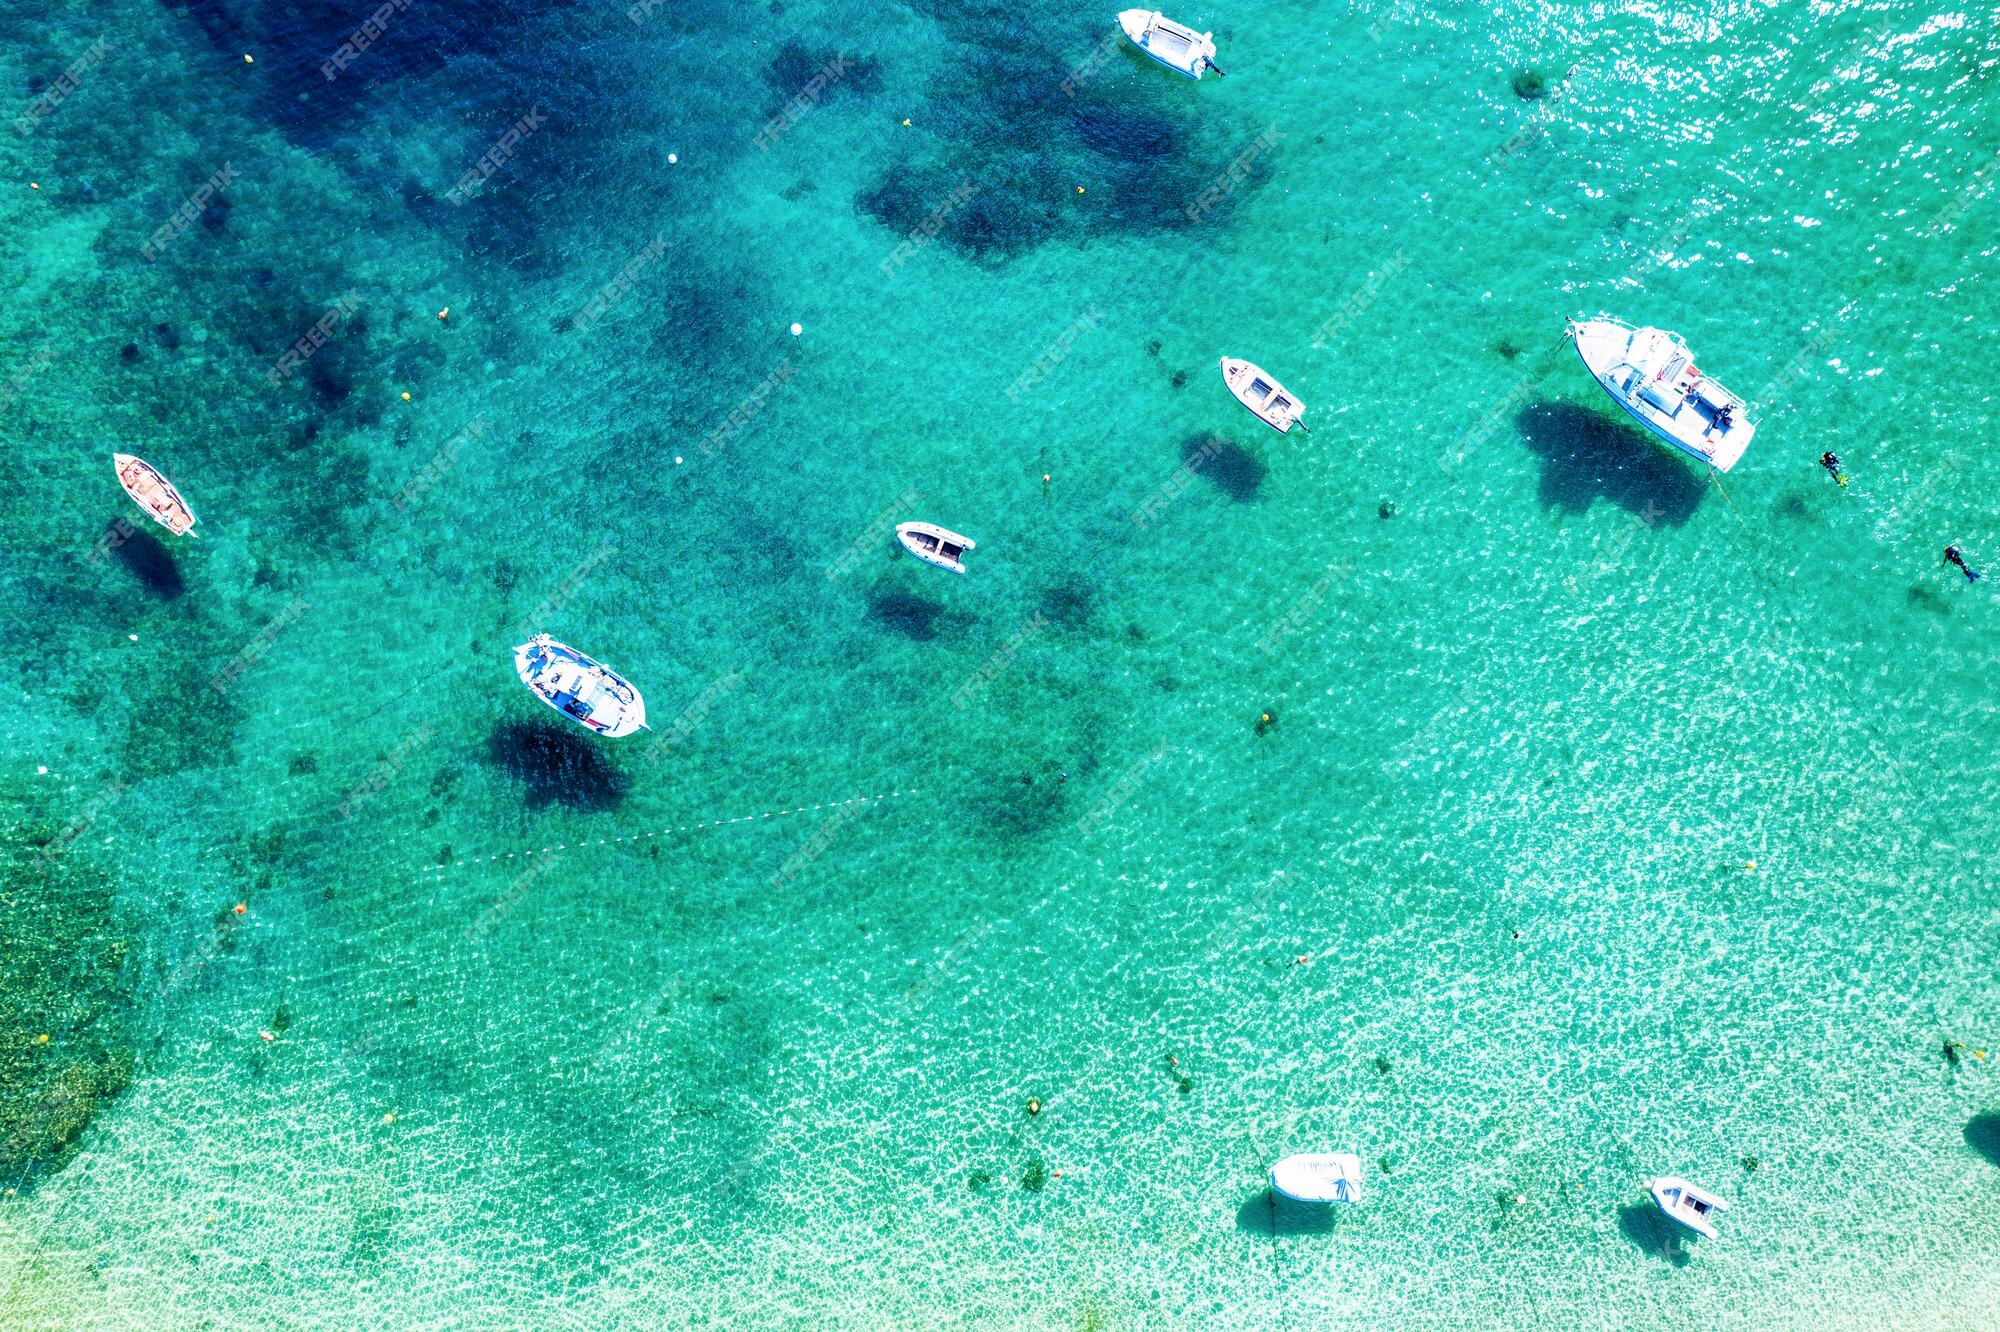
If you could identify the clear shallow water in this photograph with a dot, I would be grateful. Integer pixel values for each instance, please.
(1530, 732)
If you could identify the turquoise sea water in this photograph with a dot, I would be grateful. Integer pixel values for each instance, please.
(1624, 827)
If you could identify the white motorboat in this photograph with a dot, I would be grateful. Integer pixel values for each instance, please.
(586, 691)
(155, 494)
(1651, 374)
(1268, 400)
(1175, 45)
(1692, 1207)
(934, 545)
(1319, 1177)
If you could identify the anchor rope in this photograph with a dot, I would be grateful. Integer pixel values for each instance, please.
(438, 871)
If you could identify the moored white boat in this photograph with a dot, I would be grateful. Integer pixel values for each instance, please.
(586, 691)
(1319, 1177)
(1694, 1208)
(1175, 45)
(1651, 374)
(155, 494)
(934, 545)
(1268, 400)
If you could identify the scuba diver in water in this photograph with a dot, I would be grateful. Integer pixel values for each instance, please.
(1831, 461)
(1953, 555)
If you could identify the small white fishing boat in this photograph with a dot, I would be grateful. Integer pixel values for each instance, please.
(1692, 1207)
(1178, 47)
(1319, 1177)
(586, 691)
(155, 494)
(1651, 374)
(1268, 400)
(934, 545)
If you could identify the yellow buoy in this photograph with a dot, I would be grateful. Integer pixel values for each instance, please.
(406, 397)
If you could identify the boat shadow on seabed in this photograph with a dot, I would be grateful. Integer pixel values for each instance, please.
(1656, 1236)
(1982, 1135)
(147, 559)
(1587, 456)
(556, 766)
(1267, 1212)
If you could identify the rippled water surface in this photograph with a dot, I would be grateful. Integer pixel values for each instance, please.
(1470, 783)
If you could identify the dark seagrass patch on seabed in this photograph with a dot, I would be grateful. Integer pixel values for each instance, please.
(319, 63)
(184, 720)
(1070, 604)
(1005, 132)
(64, 982)
(797, 72)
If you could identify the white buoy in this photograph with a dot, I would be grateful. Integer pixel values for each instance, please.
(673, 158)
(798, 329)
(677, 460)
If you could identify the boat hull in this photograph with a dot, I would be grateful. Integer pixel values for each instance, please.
(1684, 1203)
(151, 491)
(580, 687)
(1319, 1177)
(1172, 45)
(1262, 395)
(1625, 362)
(934, 545)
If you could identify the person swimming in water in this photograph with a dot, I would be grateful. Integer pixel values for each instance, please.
(1831, 461)
(1953, 555)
